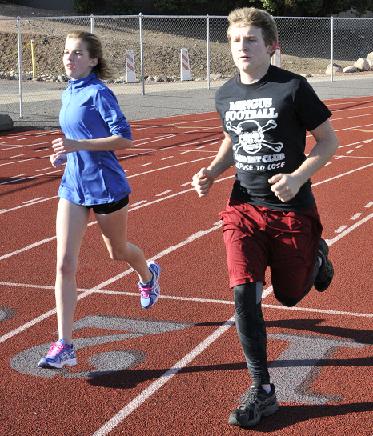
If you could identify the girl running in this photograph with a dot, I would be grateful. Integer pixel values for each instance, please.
(94, 127)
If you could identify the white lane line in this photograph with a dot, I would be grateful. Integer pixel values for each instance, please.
(27, 204)
(198, 300)
(163, 193)
(356, 216)
(85, 294)
(26, 160)
(32, 200)
(323, 311)
(342, 156)
(11, 147)
(349, 230)
(138, 203)
(27, 247)
(358, 116)
(338, 176)
(54, 172)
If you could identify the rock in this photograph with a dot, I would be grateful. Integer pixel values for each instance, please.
(350, 69)
(6, 123)
(336, 69)
(362, 64)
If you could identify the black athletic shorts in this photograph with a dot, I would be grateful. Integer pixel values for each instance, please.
(107, 208)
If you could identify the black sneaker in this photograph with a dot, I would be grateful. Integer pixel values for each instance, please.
(255, 404)
(326, 270)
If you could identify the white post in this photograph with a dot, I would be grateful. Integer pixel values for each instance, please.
(331, 47)
(208, 52)
(20, 72)
(92, 23)
(141, 55)
(130, 67)
(185, 72)
(276, 57)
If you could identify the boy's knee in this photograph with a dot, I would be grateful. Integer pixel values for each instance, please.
(291, 298)
(288, 301)
(247, 296)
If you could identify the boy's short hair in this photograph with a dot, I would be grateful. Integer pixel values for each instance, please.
(255, 17)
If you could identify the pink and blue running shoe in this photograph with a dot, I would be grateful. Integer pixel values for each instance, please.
(149, 292)
(59, 355)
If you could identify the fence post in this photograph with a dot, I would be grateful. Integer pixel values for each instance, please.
(20, 72)
(208, 51)
(331, 47)
(141, 56)
(92, 23)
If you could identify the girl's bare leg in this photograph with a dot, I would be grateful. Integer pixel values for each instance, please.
(71, 224)
(114, 233)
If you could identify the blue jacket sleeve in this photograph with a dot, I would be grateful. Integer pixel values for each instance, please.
(107, 105)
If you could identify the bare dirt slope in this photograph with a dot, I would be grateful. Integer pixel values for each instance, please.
(162, 44)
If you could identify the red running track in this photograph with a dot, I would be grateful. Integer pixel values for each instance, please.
(178, 369)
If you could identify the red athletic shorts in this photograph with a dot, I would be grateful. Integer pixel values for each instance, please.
(256, 237)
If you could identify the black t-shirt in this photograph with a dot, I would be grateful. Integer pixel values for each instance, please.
(267, 122)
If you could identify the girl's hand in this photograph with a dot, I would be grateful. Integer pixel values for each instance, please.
(64, 145)
(57, 160)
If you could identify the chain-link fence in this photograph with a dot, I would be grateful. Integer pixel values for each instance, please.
(31, 68)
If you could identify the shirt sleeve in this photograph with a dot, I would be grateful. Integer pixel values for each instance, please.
(310, 109)
(219, 109)
(107, 105)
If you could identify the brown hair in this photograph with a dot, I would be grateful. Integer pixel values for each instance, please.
(94, 48)
(255, 17)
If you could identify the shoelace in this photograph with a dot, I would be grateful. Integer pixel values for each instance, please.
(55, 348)
(248, 398)
(145, 291)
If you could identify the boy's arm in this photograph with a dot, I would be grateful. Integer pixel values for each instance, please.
(205, 177)
(286, 186)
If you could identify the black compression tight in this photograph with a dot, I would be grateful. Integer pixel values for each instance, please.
(251, 330)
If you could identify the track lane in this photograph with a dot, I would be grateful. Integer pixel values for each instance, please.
(176, 398)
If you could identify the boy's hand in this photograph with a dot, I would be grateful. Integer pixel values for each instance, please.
(284, 186)
(202, 182)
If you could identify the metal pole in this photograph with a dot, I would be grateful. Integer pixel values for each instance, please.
(331, 47)
(208, 50)
(92, 23)
(141, 56)
(20, 72)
